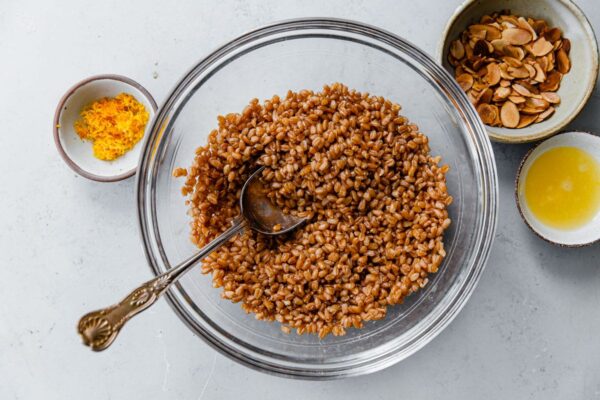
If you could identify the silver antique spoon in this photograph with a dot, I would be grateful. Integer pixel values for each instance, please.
(99, 329)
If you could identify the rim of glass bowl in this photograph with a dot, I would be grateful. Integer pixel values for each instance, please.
(155, 145)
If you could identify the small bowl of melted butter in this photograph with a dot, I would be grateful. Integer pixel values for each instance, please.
(558, 189)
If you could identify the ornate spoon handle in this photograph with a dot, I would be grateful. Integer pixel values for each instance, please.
(99, 329)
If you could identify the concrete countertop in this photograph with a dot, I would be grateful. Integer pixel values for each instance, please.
(67, 245)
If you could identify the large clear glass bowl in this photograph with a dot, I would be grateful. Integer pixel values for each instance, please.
(306, 54)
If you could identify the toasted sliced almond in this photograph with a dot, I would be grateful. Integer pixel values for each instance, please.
(531, 110)
(509, 20)
(488, 113)
(501, 93)
(526, 120)
(517, 36)
(545, 114)
(532, 89)
(493, 74)
(537, 103)
(539, 25)
(504, 72)
(522, 90)
(540, 47)
(553, 35)
(517, 99)
(532, 72)
(486, 19)
(509, 115)
(563, 64)
(540, 75)
(551, 62)
(518, 73)
(514, 52)
(472, 95)
(513, 62)
(485, 96)
(457, 50)
(542, 62)
(551, 97)
(505, 83)
(499, 45)
(525, 25)
(465, 81)
(552, 82)
(478, 31)
(566, 45)
(483, 48)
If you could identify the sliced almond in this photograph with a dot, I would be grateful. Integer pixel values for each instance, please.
(504, 72)
(526, 120)
(485, 96)
(551, 97)
(486, 19)
(501, 93)
(517, 36)
(488, 113)
(509, 115)
(553, 35)
(510, 20)
(563, 64)
(493, 74)
(479, 86)
(531, 110)
(566, 45)
(514, 52)
(472, 95)
(522, 90)
(465, 81)
(542, 62)
(537, 103)
(513, 62)
(540, 75)
(545, 114)
(499, 45)
(539, 25)
(552, 82)
(525, 25)
(518, 73)
(532, 89)
(540, 47)
(532, 72)
(517, 99)
(505, 83)
(457, 49)
(478, 31)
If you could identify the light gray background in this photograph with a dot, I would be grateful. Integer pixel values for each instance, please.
(67, 245)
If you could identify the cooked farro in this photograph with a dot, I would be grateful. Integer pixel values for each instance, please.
(375, 198)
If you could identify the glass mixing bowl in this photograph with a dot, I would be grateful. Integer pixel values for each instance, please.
(306, 54)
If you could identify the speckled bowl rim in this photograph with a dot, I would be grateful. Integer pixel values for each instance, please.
(59, 109)
(521, 213)
(569, 118)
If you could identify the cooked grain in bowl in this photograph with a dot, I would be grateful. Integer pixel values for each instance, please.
(375, 200)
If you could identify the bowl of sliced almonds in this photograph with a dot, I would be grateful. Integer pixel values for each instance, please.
(528, 67)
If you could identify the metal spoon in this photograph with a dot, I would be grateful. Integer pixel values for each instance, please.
(99, 329)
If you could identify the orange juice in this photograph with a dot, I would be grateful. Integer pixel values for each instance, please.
(562, 187)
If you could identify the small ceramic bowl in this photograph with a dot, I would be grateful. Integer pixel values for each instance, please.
(576, 86)
(78, 153)
(582, 236)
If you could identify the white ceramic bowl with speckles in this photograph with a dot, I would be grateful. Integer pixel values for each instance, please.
(577, 86)
(77, 153)
(581, 236)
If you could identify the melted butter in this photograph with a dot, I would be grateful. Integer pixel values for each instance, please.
(562, 187)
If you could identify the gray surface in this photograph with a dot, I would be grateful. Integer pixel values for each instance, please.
(531, 329)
